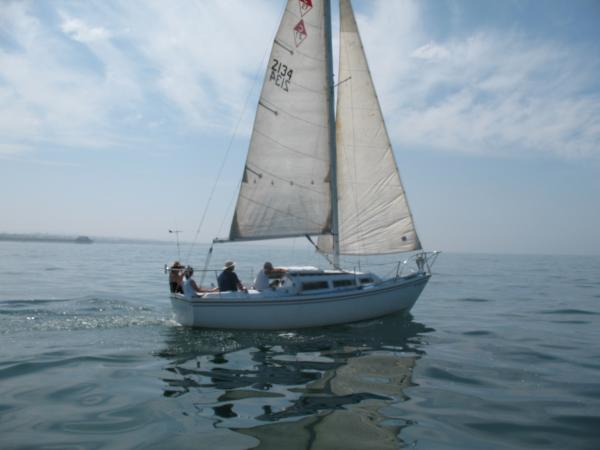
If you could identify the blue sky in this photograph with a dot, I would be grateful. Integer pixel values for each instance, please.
(116, 116)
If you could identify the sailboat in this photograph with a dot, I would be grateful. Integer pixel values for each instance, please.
(310, 172)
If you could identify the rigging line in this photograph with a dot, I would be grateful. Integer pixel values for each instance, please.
(176, 232)
(219, 173)
(206, 263)
(229, 207)
(322, 253)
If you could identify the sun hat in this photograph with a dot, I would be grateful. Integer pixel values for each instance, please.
(229, 265)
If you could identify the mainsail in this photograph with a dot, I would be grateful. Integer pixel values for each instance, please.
(285, 187)
(374, 216)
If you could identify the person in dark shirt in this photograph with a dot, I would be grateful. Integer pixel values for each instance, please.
(228, 279)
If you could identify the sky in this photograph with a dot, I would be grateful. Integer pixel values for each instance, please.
(130, 118)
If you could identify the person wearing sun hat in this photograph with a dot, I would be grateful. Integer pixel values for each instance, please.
(228, 279)
(176, 277)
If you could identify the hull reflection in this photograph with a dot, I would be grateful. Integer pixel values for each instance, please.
(322, 387)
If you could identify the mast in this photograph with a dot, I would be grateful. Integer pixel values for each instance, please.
(332, 140)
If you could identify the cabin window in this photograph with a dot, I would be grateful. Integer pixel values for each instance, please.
(312, 285)
(366, 280)
(342, 283)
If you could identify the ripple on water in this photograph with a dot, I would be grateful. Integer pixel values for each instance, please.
(559, 347)
(530, 356)
(114, 420)
(478, 333)
(587, 391)
(523, 433)
(569, 311)
(444, 375)
(474, 300)
(38, 366)
(82, 394)
(571, 322)
(586, 425)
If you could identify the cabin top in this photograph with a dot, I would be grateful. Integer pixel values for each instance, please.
(311, 279)
(311, 271)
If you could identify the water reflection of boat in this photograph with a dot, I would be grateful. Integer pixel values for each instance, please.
(298, 390)
(351, 424)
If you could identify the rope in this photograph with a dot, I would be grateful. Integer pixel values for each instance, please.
(323, 254)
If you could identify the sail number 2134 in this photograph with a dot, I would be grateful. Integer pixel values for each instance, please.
(281, 74)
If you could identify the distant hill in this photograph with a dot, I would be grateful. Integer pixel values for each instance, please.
(44, 238)
(41, 237)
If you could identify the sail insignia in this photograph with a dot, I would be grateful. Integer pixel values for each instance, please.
(305, 6)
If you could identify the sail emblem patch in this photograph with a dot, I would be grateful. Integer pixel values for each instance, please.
(305, 6)
(299, 33)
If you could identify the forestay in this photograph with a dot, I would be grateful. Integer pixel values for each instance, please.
(285, 189)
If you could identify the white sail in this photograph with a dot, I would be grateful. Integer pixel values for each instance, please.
(374, 217)
(285, 189)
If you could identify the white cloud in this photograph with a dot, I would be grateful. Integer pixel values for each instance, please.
(125, 69)
(79, 31)
(51, 98)
(118, 74)
(203, 53)
(487, 93)
(431, 51)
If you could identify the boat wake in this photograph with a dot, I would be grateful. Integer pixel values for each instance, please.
(88, 312)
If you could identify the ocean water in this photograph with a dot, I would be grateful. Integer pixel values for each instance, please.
(500, 352)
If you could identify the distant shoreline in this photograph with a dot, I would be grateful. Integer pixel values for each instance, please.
(44, 238)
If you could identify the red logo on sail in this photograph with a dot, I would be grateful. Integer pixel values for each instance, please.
(300, 33)
(305, 6)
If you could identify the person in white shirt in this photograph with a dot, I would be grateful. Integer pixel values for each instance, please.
(263, 280)
(190, 288)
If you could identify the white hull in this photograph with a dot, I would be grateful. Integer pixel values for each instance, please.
(265, 311)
